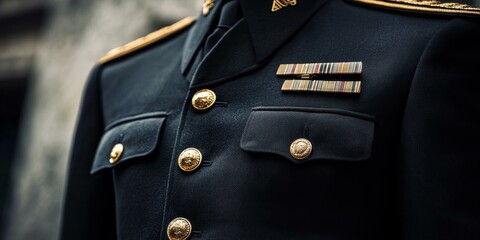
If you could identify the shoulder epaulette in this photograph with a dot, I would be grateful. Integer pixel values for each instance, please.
(147, 40)
(427, 6)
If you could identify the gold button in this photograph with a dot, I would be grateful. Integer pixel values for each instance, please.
(116, 153)
(190, 159)
(301, 148)
(179, 229)
(204, 99)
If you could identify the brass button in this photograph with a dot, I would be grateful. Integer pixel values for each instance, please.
(190, 159)
(116, 153)
(204, 99)
(301, 148)
(179, 229)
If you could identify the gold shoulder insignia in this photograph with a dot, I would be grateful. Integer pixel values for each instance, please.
(147, 40)
(440, 7)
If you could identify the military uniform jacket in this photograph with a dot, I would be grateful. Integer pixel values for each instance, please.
(399, 160)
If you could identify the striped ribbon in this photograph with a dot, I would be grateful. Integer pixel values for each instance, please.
(322, 86)
(320, 68)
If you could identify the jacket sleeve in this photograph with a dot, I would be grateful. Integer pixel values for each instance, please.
(440, 144)
(89, 205)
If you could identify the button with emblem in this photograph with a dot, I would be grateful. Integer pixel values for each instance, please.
(301, 148)
(190, 159)
(116, 153)
(179, 229)
(204, 99)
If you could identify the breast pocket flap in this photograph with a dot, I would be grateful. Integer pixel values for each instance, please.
(332, 134)
(127, 139)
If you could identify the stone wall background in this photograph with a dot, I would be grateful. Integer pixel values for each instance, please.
(75, 35)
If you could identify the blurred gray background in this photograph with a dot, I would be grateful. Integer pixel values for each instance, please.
(47, 48)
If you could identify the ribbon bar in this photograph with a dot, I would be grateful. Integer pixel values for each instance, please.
(322, 86)
(334, 68)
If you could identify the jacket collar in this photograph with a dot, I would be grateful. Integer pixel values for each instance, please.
(269, 30)
(258, 36)
(197, 34)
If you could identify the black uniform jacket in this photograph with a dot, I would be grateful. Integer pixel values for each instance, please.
(399, 160)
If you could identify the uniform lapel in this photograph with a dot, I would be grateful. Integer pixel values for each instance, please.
(196, 35)
(233, 55)
(252, 40)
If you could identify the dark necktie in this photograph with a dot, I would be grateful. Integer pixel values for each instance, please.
(229, 15)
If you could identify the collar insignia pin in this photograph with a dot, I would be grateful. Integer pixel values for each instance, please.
(279, 4)
(207, 6)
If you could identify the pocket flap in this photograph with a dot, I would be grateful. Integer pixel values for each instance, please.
(138, 136)
(334, 134)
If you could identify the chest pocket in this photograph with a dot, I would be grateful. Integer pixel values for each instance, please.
(128, 139)
(332, 134)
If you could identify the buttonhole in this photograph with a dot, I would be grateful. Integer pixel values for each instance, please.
(197, 234)
(221, 104)
(206, 163)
